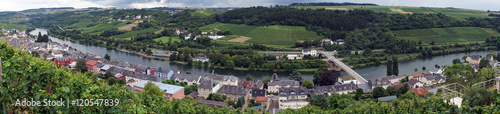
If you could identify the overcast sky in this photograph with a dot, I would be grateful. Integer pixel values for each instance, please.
(18, 5)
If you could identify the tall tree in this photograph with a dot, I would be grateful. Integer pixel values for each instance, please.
(329, 78)
(484, 63)
(389, 67)
(359, 93)
(80, 65)
(295, 75)
(456, 61)
(241, 102)
(107, 57)
(395, 66)
(403, 90)
(378, 92)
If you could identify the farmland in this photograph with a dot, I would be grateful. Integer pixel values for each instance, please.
(165, 39)
(13, 26)
(129, 34)
(272, 35)
(452, 34)
(453, 12)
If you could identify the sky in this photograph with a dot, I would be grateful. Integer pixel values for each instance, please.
(18, 5)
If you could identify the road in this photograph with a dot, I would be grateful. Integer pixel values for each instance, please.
(346, 68)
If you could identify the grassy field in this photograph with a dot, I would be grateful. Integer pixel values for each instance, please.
(453, 34)
(273, 35)
(206, 12)
(165, 39)
(20, 28)
(129, 34)
(99, 28)
(458, 13)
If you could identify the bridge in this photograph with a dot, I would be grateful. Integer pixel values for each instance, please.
(346, 68)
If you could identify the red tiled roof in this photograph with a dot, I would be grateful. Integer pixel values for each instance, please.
(247, 84)
(261, 99)
(417, 75)
(399, 85)
(91, 62)
(420, 91)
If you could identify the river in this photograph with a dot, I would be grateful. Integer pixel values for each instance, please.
(369, 72)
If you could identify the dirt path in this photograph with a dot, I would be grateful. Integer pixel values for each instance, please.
(240, 39)
(400, 11)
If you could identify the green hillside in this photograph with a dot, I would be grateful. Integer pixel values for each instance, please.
(452, 34)
(13, 26)
(272, 35)
(454, 12)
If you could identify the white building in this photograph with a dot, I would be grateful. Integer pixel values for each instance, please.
(312, 52)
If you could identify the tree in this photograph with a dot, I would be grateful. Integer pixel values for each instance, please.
(319, 100)
(436, 66)
(265, 81)
(189, 61)
(229, 102)
(395, 66)
(152, 89)
(484, 63)
(329, 78)
(108, 75)
(391, 90)
(173, 57)
(307, 84)
(295, 75)
(456, 61)
(149, 52)
(81, 65)
(107, 57)
(190, 88)
(317, 76)
(359, 93)
(389, 67)
(423, 68)
(240, 103)
(403, 90)
(378, 92)
(188, 72)
(249, 77)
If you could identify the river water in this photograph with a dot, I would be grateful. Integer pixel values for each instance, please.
(369, 72)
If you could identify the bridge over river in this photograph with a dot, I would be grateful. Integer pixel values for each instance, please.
(347, 69)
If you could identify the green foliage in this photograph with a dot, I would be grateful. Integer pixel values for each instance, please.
(456, 61)
(229, 102)
(391, 90)
(378, 92)
(152, 89)
(424, 68)
(216, 97)
(403, 90)
(484, 63)
(359, 93)
(295, 75)
(319, 100)
(107, 57)
(307, 84)
(240, 103)
(190, 88)
(440, 35)
(81, 65)
(149, 52)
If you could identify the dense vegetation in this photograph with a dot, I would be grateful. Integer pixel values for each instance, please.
(332, 4)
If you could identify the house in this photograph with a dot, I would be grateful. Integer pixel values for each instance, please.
(326, 41)
(339, 41)
(211, 103)
(234, 92)
(247, 84)
(105, 68)
(57, 54)
(339, 89)
(473, 59)
(275, 83)
(97, 67)
(293, 56)
(417, 76)
(178, 32)
(258, 93)
(90, 64)
(208, 86)
(188, 79)
(312, 52)
(142, 69)
(262, 100)
(132, 78)
(63, 61)
(258, 108)
(258, 85)
(294, 97)
(171, 91)
(164, 74)
(201, 59)
(347, 79)
(432, 79)
(119, 76)
(383, 82)
(226, 79)
(215, 36)
(413, 83)
(421, 91)
(278, 56)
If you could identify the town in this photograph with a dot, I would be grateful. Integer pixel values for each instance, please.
(272, 95)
